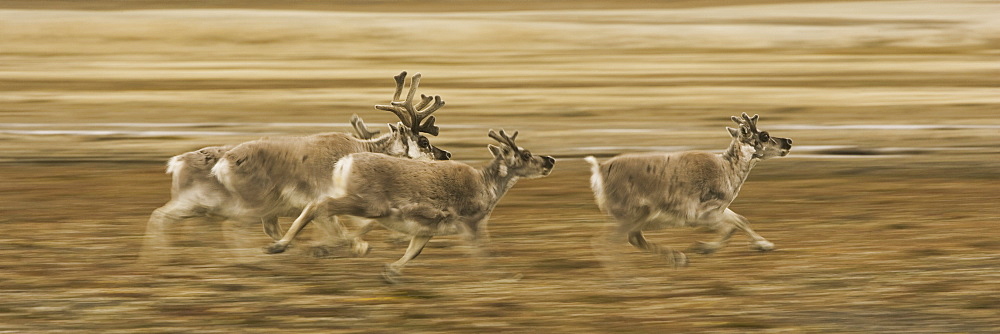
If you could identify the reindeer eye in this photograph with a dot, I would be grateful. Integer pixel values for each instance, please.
(527, 154)
(764, 136)
(423, 142)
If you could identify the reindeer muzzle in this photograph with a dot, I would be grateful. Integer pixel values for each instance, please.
(440, 154)
(549, 162)
(786, 145)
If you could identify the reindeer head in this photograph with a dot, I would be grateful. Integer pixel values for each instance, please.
(760, 143)
(413, 145)
(403, 141)
(518, 161)
(412, 121)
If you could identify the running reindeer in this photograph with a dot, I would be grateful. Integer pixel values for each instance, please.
(422, 198)
(275, 177)
(651, 191)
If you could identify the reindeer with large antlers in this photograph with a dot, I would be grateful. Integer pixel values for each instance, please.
(650, 191)
(422, 198)
(268, 178)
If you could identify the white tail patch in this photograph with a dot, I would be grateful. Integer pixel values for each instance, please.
(174, 165)
(341, 175)
(221, 168)
(596, 180)
(222, 172)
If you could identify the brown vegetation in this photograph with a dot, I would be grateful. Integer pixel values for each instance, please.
(884, 214)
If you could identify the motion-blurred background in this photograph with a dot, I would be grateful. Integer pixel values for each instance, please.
(884, 214)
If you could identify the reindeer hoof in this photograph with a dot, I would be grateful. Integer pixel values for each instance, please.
(763, 246)
(679, 260)
(391, 276)
(275, 248)
(361, 249)
(705, 248)
(320, 251)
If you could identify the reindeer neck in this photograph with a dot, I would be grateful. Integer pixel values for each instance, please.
(496, 179)
(739, 161)
(380, 144)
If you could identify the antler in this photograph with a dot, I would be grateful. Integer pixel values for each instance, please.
(400, 78)
(749, 122)
(414, 116)
(504, 139)
(362, 130)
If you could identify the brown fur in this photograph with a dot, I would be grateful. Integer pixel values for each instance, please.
(261, 180)
(259, 170)
(664, 182)
(421, 198)
(650, 191)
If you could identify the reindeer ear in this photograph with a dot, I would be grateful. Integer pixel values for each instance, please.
(393, 128)
(495, 150)
(733, 132)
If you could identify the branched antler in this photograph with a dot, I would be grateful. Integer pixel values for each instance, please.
(362, 130)
(749, 122)
(414, 116)
(400, 79)
(504, 139)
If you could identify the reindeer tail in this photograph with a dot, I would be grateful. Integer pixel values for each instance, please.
(596, 180)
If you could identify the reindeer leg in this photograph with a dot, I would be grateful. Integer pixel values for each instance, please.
(337, 233)
(241, 239)
(725, 230)
(606, 250)
(359, 245)
(478, 238)
(394, 270)
(271, 227)
(157, 237)
(677, 258)
(743, 224)
(307, 215)
(366, 226)
(481, 250)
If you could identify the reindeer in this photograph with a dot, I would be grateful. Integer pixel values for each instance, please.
(268, 178)
(422, 198)
(651, 191)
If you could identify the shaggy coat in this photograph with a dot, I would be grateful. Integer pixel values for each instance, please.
(421, 198)
(651, 191)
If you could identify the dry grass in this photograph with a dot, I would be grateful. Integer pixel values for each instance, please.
(884, 214)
